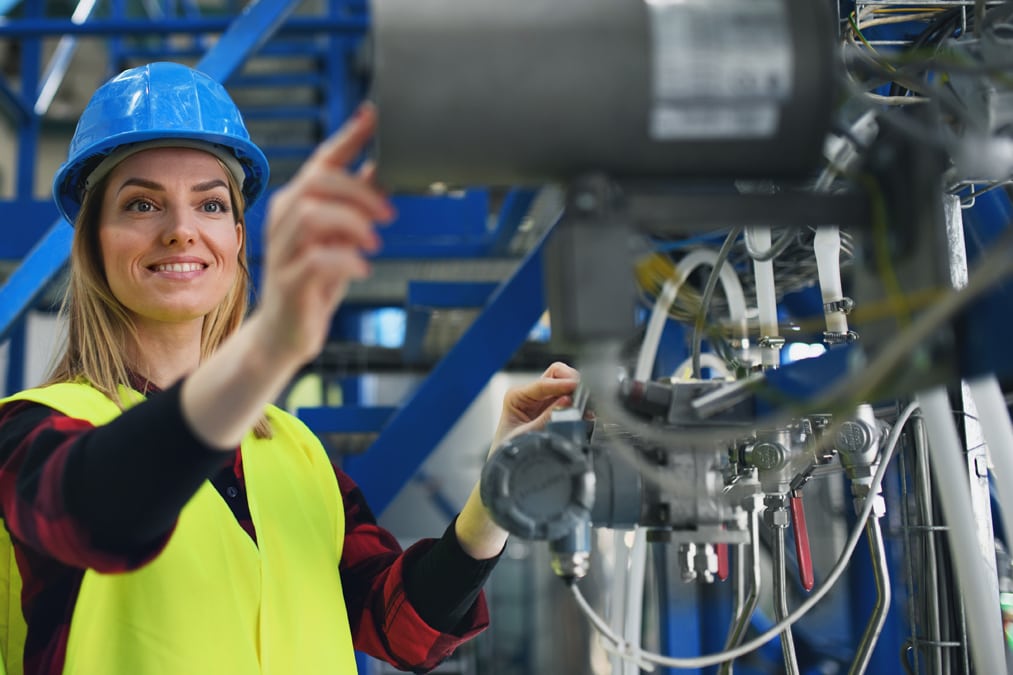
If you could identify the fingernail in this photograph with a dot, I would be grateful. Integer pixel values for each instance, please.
(362, 110)
(391, 214)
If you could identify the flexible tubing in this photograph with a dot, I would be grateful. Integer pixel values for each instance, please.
(616, 645)
(617, 614)
(827, 246)
(881, 574)
(766, 294)
(994, 419)
(635, 597)
(707, 360)
(984, 618)
(670, 290)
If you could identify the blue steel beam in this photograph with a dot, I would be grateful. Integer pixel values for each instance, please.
(425, 296)
(25, 224)
(49, 257)
(29, 281)
(24, 28)
(453, 384)
(245, 35)
(515, 207)
(16, 359)
(346, 419)
(17, 105)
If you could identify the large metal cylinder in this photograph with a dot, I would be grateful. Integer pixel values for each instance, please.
(494, 92)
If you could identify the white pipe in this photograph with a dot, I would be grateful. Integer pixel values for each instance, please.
(766, 293)
(995, 424)
(827, 247)
(635, 598)
(984, 617)
(707, 360)
(730, 283)
(617, 612)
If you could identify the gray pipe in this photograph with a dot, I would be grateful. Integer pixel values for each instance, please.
(781, 602)
(488, 92)
(883, 596)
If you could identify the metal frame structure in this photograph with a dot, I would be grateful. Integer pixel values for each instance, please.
(449, 226)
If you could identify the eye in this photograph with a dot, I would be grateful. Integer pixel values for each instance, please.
(141, 206)
(215, 205)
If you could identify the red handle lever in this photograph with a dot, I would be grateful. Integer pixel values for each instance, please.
(802, 553)
(722, 552)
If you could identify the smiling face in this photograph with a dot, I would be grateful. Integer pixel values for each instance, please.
(168, 235)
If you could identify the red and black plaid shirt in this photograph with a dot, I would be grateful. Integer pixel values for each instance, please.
(76, 497)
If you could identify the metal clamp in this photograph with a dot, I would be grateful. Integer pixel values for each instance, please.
(771, 342)
(836, 338)
(844, 305)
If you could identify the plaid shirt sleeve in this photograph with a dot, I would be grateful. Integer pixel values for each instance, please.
(35, 445)
(383, 620)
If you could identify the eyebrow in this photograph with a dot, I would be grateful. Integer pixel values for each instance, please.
(141, 182)
(152, 185)
(209, 185)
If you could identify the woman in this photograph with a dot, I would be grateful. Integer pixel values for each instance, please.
(164, 517)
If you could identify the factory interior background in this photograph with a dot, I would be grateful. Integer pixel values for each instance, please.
(762, 230)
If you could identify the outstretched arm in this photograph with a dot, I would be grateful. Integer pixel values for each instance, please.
(319, 230)
(525, 408)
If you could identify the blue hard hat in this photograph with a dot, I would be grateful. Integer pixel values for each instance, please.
(157, 103)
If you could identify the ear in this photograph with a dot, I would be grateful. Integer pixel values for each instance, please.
(240, 235)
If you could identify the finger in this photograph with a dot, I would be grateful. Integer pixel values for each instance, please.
(340, 185)
(328, 270)
(561, 370)
(322, 223)
(349, 141)
(546, 389)
(367, 172)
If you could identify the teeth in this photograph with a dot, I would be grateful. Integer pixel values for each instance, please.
(178, 267)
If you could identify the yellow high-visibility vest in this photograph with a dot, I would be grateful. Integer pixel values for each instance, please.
(213, 602)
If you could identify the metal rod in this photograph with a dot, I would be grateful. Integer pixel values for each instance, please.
(746, 607)
(781, 602)
(909, 547)
(978, 590)
(883, 596)
(930, 590)
(56, 71)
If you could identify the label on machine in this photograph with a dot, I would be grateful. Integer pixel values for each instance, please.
(721, 68)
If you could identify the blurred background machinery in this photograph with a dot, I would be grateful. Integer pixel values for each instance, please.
(771, 233)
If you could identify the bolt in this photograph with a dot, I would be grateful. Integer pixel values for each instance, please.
(852, 436)
(766, 456)
(776, 518)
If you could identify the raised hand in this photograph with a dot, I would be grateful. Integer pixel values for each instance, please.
(320, 230)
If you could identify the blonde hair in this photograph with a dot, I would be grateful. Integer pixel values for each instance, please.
(98, 324)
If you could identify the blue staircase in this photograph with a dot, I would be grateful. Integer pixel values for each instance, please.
(295, 76)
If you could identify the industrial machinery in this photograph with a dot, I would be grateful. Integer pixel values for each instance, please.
(739, 179)
(701, 134)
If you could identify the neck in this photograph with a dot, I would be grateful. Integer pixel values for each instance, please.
(166, 352)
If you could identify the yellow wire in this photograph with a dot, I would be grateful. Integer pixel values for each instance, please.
(907, 10)
(881, 245)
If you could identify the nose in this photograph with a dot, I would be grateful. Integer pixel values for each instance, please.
(180, 229)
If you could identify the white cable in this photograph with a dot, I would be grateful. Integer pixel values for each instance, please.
(705, 661)
(766, 294)
(827, 247)
(615, 644)
(655, 326)
(993, 416)
(730, 283)
(984, 616)
(618, 595)
(633, 624)
(707, 360)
